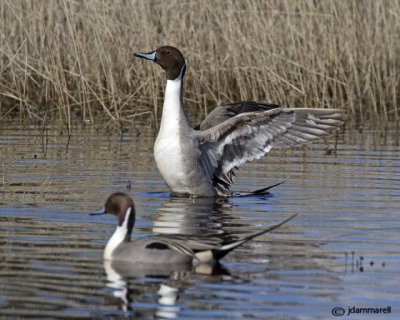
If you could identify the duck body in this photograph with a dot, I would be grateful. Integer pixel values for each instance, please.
(164, 249)
(174, 146)
(203, 161)
(151, 251)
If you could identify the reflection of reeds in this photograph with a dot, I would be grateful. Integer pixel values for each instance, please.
(68, 59)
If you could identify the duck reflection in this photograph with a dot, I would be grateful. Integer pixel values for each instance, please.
(132, 282)
(194, 216)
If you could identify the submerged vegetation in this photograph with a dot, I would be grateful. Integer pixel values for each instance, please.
(72, 60)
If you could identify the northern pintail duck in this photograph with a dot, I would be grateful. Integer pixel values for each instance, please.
(202, 162)
(164, 249)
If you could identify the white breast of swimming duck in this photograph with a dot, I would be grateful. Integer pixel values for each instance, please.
(117, 238)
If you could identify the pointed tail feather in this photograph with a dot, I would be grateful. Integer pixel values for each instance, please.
(225, 249)
(258, 192)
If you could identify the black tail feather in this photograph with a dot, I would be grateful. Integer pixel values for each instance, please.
(263, 191)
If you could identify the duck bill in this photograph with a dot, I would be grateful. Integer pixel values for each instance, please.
(99, 212)
(148, 56)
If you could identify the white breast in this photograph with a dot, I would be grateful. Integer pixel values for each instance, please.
(168, 156)
(117, 238)
(167, 148)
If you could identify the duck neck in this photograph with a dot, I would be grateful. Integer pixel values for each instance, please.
(173, 114)
(122, 233)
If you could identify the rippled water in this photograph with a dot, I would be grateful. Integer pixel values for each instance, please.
(342, 250)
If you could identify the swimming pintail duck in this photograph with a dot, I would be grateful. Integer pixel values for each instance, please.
(164, 249)
(202, 162)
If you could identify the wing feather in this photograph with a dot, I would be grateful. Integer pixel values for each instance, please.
(173, 244)
(224, 112)
(249, 135)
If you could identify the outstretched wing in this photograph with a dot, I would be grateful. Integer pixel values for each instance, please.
(224, 112)
(248, 136)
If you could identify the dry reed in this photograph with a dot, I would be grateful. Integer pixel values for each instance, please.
(72, 59)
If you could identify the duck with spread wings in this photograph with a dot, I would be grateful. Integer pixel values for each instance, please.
(202, 161)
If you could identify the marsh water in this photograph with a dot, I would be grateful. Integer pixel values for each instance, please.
(342, 250)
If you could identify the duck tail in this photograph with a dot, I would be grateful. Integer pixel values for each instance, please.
(263, 191)
(229, 246)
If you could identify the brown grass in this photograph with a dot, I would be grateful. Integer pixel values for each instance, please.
(72, 60)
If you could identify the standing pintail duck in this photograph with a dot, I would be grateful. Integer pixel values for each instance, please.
(202, 162)
(164, 249)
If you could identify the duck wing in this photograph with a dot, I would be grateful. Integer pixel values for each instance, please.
(164, 242)
(201, 242)
(249, 135)
(189, 246)
(227, 111)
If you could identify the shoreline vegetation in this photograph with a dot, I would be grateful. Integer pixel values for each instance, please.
(71, 60)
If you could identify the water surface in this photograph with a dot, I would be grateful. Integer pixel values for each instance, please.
(342, 250)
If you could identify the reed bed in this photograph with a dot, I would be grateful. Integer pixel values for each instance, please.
(71, 60)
